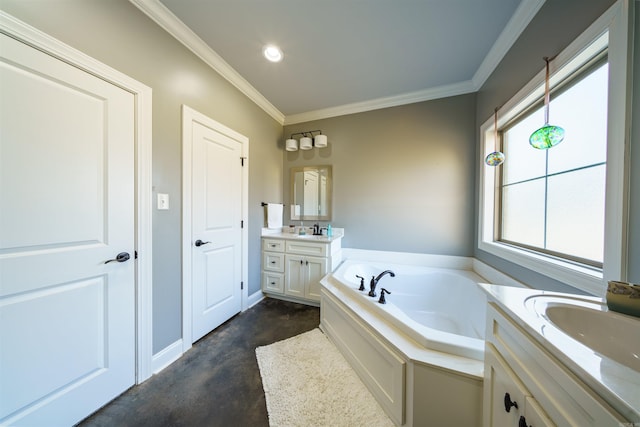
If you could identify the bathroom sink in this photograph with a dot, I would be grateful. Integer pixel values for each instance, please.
(310, 237)
(609, 334)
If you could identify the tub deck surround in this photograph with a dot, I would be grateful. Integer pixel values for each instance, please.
(414, 350)
(617, 385)
(414, 382)
(447, 318)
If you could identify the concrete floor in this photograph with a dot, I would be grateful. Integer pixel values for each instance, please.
(217, 382)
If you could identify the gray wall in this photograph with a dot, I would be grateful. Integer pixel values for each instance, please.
(403, 177)
(555, 26)
(119, 35)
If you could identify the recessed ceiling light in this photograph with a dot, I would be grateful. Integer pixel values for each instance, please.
(272, 53)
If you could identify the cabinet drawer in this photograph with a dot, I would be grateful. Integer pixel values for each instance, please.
(307, 248)
(273, 282)
(273, 245)
(273, 261)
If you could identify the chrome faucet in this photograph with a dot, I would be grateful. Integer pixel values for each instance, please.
(374, 281)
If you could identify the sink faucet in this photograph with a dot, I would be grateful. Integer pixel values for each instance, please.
(316, 229)
(374, 281)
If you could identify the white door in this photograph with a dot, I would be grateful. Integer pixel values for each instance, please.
(216, 233)
(67, 325)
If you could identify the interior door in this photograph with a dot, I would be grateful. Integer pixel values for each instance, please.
(67, 318)
(216, 229)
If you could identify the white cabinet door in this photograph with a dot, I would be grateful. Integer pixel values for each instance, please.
(534, 415)
(295, 276)
(67, 319)
(504, 394)
(316, 269)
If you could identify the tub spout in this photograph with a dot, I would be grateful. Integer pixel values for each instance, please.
(374, 282)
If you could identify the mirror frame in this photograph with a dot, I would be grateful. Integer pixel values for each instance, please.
(329, 193)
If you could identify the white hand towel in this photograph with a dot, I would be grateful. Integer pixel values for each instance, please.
(274, 215)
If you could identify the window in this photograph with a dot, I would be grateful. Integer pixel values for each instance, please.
(552, 201)
(563, 212)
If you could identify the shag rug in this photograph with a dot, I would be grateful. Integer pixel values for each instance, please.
(307, 383)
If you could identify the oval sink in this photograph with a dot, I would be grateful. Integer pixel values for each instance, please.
(607, 333)
(310, 237)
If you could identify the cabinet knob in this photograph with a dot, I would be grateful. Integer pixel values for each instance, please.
(522, 422)
(508, 403)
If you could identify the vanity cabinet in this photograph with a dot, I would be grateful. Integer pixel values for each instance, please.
(511, 403)
(292, 266)
(302, 276)
(526, 386)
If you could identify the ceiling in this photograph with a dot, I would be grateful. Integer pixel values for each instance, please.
(345, 56)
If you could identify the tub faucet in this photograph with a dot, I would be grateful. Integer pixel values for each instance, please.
(374, 282)
(382, 299)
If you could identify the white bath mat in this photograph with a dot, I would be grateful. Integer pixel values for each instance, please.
(307, 383)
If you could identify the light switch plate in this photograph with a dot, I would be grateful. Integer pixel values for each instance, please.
(163, 202)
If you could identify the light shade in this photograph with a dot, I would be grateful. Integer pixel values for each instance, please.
(320, 141)
(291, 145)
(306, 143)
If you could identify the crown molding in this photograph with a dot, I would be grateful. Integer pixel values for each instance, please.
(525, 12)
(389, 101)
(516, 25)
(174, 26)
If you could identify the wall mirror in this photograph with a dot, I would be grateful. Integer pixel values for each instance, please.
(311, 193)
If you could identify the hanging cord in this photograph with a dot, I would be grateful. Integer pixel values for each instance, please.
(546, 92)
(495, 126)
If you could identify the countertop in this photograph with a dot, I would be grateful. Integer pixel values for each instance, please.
(338, 233)
(617, 384)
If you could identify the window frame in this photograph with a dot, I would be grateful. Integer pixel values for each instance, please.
(610, 31)
(599, 59)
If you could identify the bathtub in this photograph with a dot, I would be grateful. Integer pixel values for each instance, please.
(421, 350)
(440, 308)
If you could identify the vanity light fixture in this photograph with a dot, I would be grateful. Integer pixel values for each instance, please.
(272, 53)
(307, 141)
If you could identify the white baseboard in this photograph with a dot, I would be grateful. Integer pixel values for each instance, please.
(166, 356)
(253, 299)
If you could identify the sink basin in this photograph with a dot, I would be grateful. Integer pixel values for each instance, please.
(310, 237)
(609, 334)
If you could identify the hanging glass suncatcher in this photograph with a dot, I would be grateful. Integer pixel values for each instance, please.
(497, 157)
(548, 135)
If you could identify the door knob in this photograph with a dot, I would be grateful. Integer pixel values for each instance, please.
(200, 243)
(121, 257)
